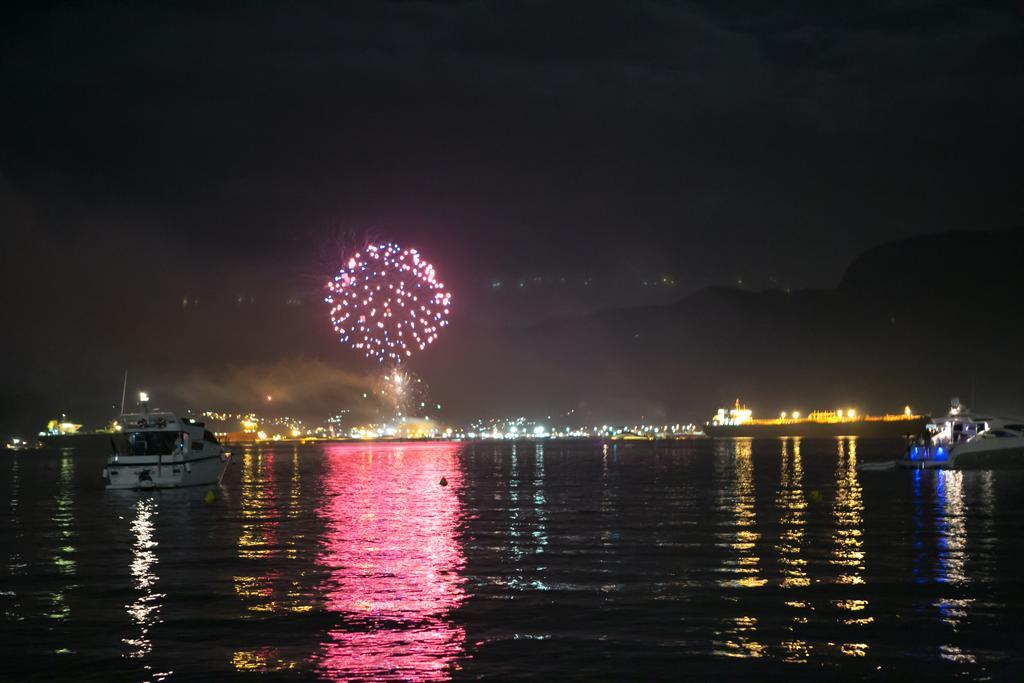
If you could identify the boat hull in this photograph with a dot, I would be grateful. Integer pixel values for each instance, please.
(1010, 458)
(972, 455)
(879, 428)
(149, 473)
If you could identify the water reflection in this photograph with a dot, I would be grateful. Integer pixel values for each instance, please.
(294, 494)
(393, 561)
(259, 510)
(527, 517)
(777, 551)
(848, 511)
(792, 506)
(983, 561)
(16, 565)
(734, 468)
(515, 543)
(951, 525)
(734, 478)
(918, 569)
(64, 550)
(144, 611)
(848, 553)
(540, 534)
(270, 553)
(609, 530)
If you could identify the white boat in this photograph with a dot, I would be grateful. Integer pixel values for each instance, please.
(162, 450)
(966, 440)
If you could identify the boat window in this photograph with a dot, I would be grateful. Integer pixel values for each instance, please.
(153, 443)
(120, 445)
(208, 436)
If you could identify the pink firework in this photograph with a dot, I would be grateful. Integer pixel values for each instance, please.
(387, 302)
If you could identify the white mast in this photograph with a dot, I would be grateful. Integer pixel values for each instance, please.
(124, 390)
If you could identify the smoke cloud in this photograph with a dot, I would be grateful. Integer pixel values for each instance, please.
(299, 387)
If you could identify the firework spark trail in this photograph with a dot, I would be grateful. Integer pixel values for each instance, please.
(387, 302)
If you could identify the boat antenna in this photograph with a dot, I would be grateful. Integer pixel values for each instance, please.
(124, 390)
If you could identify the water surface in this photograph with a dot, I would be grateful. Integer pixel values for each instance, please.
(753, 558)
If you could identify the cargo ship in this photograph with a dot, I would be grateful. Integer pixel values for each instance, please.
(63, 433)
(739, 421)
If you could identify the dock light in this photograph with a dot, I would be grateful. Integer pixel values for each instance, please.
(906, 411)
(796, 415)
(143, 397)
(851, 413)
(783, 415)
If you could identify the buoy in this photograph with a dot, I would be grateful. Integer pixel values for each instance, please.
(444, 482)
(210, 496)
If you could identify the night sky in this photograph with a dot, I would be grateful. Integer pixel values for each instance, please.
(552, 160)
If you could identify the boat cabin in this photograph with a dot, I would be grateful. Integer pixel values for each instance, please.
(160, 433)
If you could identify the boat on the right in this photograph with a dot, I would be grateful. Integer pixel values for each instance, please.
(967, 440)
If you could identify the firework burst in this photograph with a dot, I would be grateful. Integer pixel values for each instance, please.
(401, 392)
(387, 303)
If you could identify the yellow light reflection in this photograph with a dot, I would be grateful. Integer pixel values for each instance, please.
(263, 660)
(951, 653)
(734, 475)
(795, 651)
(848, 542)
(743, 538)
(792, 507)
(854, 649)
(848, 509)
(741, 644)
(268, 590)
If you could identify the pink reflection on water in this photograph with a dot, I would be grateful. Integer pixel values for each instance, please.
(393, 560)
